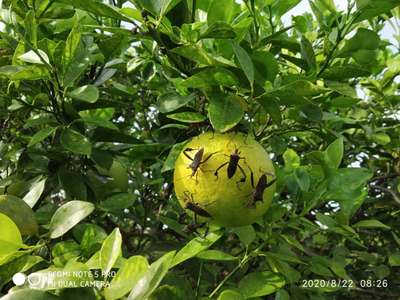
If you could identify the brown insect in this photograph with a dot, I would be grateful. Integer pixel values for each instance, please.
(197, 160)
(259, 189)
(197, 210)
(191, 228)
(194, 207)
(233, 165)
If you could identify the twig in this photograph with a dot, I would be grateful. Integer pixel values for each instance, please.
(199, 280)
(390, 191)
(225, 280)
(341, 35)
(384, 177)
(271, 22)
(33, 106)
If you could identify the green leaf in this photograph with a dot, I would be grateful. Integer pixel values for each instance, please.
(31, 27)
(307, 53)
(10, 237)
(41, 135)
(394, 259)
(294, 92)
(29, 294)
(92, 238)
(20, 261)
(371, 224)
(194, 247)
(36, 190)
(381, 138)
(230, 295)
(20, 212)
(34, 58)
(348, 179)
(334, 153)
(211, 77)
(83, 293)
(98, 121)
(244, 61)
(201, 56)
(71, 47)
(345, 72)
(97, 8)
(365, 57)
(88, 93)
(259, 284)
(312, 112)
(271, 106)
(64, 251)
(169, 163)
(282, 295)
(246, 234)
(225, 111)
(172, 101)
(75, 142)
(363, 39)
(219, 30)
(158, 7)
(127, 277)
(152, 278)
(118, 202)
(215, 255)
(367, 9)
(265, 66)
(24, 72)
(167, 292)
(381, 271)
(291, 159)
(67, 216)
(344, 102)
(220, 11)
(73, 184)
(110, 251)
(342, 88)
(146, 151)
(75, 273)
(280, 7)
(187, 117)
(302, 178)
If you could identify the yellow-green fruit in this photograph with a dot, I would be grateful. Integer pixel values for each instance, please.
(119, 177)
(228, 200)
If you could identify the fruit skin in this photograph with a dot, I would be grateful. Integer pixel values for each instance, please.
(119, 180)
(225, 199)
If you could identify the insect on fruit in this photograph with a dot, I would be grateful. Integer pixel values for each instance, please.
(259, 189)
(197, 160)
(197, 210)
(233, 165)
(194, 207)
(190, 228)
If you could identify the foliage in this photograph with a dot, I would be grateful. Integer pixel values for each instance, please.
(98, 98)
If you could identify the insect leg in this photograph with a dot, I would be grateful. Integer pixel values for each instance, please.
(243, 173)
(208, 157)
(270, 183)
(206, 231)
(188, 150)
(252, 178)
(219, 168)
